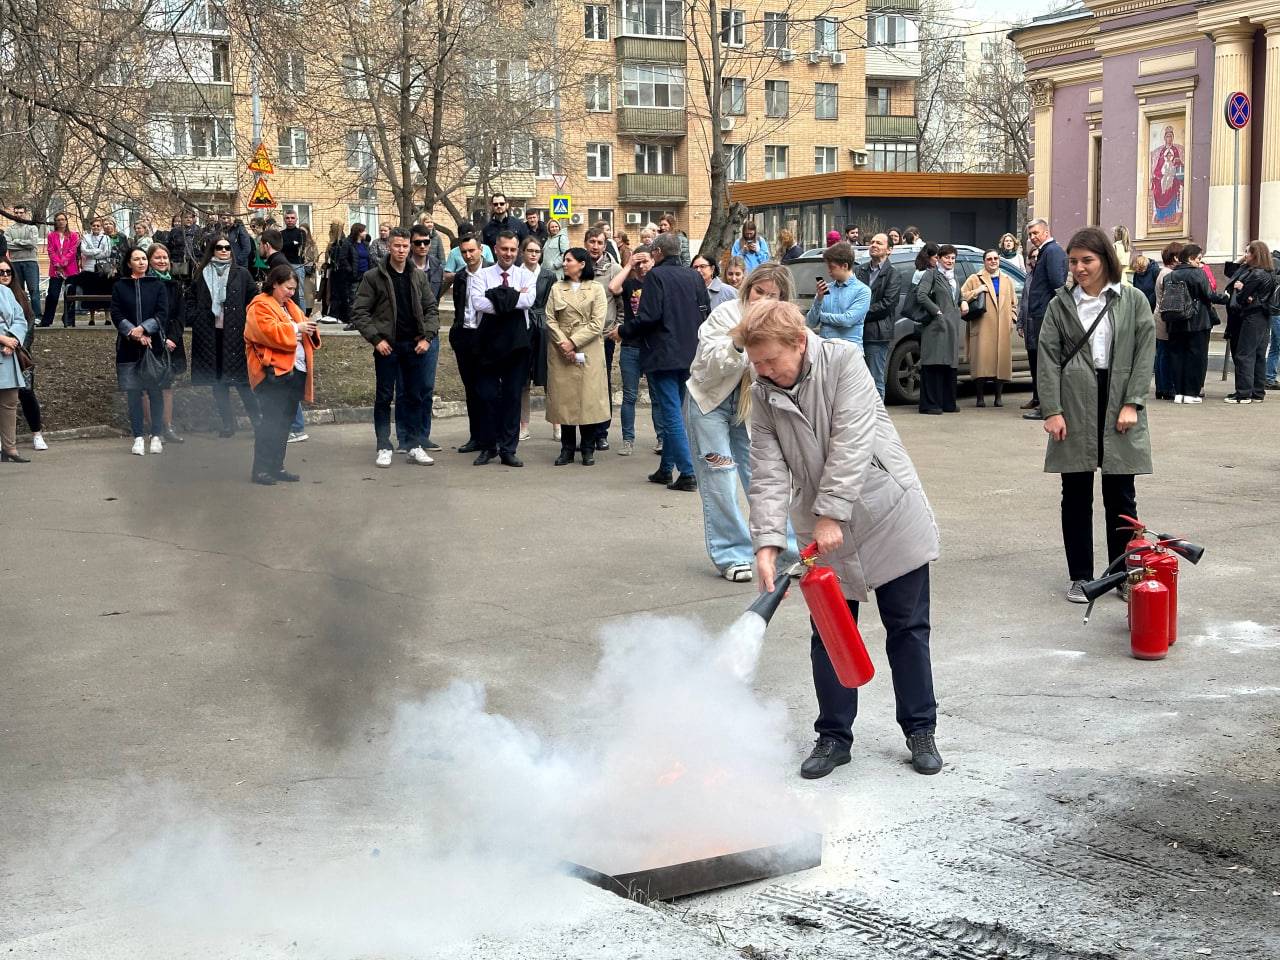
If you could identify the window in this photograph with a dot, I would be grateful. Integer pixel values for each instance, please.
(877, 101)
(599, 161)
(891, 30)
(293, 147)
(546, 160)
(775, 31)
(359, 151)
(353, 79)
(733, 28)
(825, 105)
(736, 160)
(653, 18)
(598, 91)
(543, 90)
(365, 213)
(221, 61)
(893, 156)
(733, 96)
(511, 78)
(514, 152)
(777, 98)
(655, 158)
(203, 137)
(824, 35)
(595, 216)
(303, 210)
(775, 162)
(824, 159)
(653, 85)
(293, 72)
(597, 22)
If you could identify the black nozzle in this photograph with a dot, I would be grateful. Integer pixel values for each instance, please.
(1096, 588)
(766, 604)
(1191, 552)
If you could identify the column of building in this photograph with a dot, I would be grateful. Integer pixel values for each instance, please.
(1269, 187)
(1042, 155)
(1232, 71)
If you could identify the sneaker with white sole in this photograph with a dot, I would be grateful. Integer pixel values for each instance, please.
(297, 437)
(139, 447)
(1193, 399)
(737, 573)
(1179, 398)
(1075, 592)
(156, 445)
(383, 458)
(627, 449)
(418, 455)
(657, 447)
(524, 432)
(37, 442)
(1232, 398)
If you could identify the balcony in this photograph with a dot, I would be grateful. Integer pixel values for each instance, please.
(195, 99)
(652, 50)
(198, 175)
(892, 128)
(652, 122)
(898, 63)
(893, 6)
(653, 188)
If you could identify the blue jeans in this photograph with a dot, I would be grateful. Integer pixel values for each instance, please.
(668, 391)
(629, 365)
(299, 421)
(27, 273)
(1273, 354)
(403, 365)
(300, 271)
(721, 450)
(428, 395)
(1164, 370)
(877, 355)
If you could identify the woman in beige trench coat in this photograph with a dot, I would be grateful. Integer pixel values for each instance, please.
(577, 381)
(990, 347)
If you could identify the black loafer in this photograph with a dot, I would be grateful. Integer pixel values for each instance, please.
(486, 456)
(602, 443)
(286, 477)
(510, 460)
(925, 757)
(566, 456)
(687, 483)
(468, 447)
(827, 754)
(266, 479)
(588, 457)
(660, 476)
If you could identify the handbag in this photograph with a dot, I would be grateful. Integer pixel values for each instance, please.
(152, 368)
(977, 306)
(25, 360)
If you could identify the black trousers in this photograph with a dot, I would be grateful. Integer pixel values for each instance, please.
(31, 408)
(938, 387)
(498, 386)
(278, 399)
(904, 610)
(56, 287)
(462, 342)
(1118, 497)
(1033, 359)
(1250, 355)
(609, 346)
(589, 432)
(1189, 360)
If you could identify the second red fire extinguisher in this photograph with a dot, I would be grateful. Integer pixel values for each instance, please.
(835, 624)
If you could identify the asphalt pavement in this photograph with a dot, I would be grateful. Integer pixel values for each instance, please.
(180, 645)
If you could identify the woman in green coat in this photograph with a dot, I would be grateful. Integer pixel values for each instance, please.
(1097, 355)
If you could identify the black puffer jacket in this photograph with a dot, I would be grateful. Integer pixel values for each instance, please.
(199, 314)
(1198, 285)
(1253, 299)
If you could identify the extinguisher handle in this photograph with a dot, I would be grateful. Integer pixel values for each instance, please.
(809, 552)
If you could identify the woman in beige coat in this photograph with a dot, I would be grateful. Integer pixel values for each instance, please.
(577, 381)
(990, 348)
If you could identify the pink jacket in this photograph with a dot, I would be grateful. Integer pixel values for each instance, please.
(64, 254)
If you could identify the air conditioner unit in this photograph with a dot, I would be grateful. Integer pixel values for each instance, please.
(838, 58)
(727, 123)
(368, 194)
(576, 220)
(517, 212)
(786, 54)
(860, 158)
(634, 219)
(815, 56)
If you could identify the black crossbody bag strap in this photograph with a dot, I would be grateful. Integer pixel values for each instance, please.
(1088, 333)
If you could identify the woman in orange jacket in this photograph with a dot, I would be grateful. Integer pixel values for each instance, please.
(279, 346)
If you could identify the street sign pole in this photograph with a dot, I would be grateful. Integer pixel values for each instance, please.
(1238, 110)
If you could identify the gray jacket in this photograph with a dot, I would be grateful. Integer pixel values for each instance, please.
(827, 448)
(24, 241)
(942, 333)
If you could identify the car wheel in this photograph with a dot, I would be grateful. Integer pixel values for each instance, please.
(902, 377)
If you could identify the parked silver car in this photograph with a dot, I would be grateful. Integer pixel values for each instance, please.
(902, 374)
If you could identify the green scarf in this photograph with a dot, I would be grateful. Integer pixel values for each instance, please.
(153, 272)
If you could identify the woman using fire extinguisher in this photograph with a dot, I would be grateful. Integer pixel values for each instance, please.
(824, 452)
(1097, 357)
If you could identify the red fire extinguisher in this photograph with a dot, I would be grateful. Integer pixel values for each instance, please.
(1159, 556)
(836, 626)
(1148, 617)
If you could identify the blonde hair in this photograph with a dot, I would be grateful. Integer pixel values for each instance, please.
(780, 277)
(770, 321)
(786, 239)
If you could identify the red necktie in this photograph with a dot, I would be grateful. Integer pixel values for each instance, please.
(504, 279)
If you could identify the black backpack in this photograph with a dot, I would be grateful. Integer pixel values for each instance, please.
(1177, 306)
(1274, 301)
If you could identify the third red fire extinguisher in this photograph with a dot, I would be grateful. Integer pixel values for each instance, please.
(835, 624)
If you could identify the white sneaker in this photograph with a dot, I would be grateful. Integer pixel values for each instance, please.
(384, 458)
(139, 447)
(1193, 399)
(156, 445)
(1179, 398)
(416, 455)
(628, 447)
(37, 442)
(524, 432)
(297, 437)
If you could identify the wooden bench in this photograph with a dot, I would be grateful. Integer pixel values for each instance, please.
(94, 301)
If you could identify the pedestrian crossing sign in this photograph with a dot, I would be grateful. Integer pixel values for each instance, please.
(561, 207)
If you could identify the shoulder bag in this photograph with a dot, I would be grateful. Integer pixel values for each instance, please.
(152, 369)
(977, 306)
(1079, 344)
(21, 354)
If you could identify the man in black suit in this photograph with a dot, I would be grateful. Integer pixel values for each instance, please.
(500, 298)
(1049, 275)
(500, 219)
(672, 309)
(877, 329)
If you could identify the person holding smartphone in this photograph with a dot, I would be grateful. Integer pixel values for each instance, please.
(751, 247)
(840, 306)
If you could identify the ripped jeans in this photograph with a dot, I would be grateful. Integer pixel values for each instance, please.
(721, 452)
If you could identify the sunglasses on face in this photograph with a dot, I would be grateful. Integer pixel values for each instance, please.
(222, 246)
(421, 243)
(6, 273)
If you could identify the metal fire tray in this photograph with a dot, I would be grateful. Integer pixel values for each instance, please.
(697, 876)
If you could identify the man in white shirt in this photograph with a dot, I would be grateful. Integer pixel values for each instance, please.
(500, 297)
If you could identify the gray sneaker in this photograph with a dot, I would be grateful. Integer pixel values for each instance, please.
(925, 757)
(1075, 593)
(627, 449)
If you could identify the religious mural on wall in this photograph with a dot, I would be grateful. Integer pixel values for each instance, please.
(1167, 169)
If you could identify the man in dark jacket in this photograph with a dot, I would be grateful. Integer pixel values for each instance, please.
(464, 330)
(877, 329)
(241, 242)
(396, 311)
(1049, 275)
(500, 219)
(672, 309)
(421, 257)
